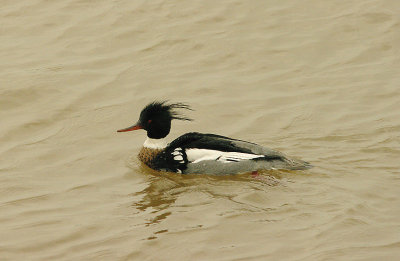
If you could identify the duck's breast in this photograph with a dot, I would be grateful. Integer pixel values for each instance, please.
(147, 155)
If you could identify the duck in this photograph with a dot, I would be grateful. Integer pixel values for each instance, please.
(201, 153)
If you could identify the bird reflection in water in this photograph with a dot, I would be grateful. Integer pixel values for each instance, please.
(163, 189)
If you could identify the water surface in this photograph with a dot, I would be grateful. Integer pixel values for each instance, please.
(318, 80)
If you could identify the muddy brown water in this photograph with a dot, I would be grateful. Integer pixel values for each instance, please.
(318, 80)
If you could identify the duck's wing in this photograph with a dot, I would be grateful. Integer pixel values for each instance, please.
(199, 141)
(210, 153)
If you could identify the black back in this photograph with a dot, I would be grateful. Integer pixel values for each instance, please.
(195, 140)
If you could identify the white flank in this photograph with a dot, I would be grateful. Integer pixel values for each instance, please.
(155, 143)
(197, 155)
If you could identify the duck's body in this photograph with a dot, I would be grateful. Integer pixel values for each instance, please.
(197, 153)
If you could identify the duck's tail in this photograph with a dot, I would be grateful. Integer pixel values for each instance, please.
(296, 164)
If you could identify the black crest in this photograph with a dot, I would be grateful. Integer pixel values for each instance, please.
(156, 117)
(166, 109)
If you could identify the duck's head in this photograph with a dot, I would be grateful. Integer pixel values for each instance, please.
(156, 118)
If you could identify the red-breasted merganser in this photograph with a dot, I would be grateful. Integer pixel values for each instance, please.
(198, 153)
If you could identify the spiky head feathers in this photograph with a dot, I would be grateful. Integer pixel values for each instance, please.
(163, 109)
(156, 117)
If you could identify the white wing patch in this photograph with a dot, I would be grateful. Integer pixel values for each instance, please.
(197, 155)
(178, 155)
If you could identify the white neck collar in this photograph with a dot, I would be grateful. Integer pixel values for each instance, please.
(155, 143)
